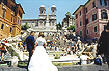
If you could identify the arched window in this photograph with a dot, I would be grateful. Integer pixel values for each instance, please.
(104, 14)
(53, 11)
(42, 12)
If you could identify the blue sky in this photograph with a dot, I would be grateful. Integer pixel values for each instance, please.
(31, 7)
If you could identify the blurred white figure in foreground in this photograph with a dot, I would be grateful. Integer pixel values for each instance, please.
(40, 60)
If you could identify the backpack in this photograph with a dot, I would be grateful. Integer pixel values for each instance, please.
(98, 61)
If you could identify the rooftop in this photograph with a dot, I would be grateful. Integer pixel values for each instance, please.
(42, 6)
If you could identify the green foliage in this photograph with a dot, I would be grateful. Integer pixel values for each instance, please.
(72, 27)
(68, 28)
(68, 14)
(12, 52)
(58, 64)
(57, 56)
(25, 27)
(21, 64)
(58, 26)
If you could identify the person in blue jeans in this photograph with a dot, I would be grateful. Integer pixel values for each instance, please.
(30, 42)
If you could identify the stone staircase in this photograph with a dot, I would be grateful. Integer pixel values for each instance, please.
(71, 68)
(85, 68)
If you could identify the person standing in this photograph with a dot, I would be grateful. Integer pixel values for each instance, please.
(2, 50)
(40, 60)
(30, 42)
(103, 44)
(71, 43)
(94, 50)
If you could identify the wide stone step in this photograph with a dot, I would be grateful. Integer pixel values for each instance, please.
(67, 68)
(85, 68)
(12, 69)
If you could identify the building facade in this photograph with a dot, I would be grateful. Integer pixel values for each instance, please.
(91, 18)
(30, 22)
(10, 18)
(66, 24)
(45, 19)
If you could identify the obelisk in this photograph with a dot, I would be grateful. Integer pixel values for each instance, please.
(47, 19)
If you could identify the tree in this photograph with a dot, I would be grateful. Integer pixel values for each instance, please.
(58, 26)
(25, 27)
(72, 27)
(68, 16)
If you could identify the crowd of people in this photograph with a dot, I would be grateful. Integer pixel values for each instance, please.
(3, 49)
(70, 44)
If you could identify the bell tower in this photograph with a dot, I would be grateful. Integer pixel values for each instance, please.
(42, 16)
(53, 9)
(42, 10)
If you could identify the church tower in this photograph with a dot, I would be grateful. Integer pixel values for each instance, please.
(42, 16)
(47, 20)
(53, 9)
(53, 17)
(42, 10)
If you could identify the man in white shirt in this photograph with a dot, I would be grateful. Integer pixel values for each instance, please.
(83, 58)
